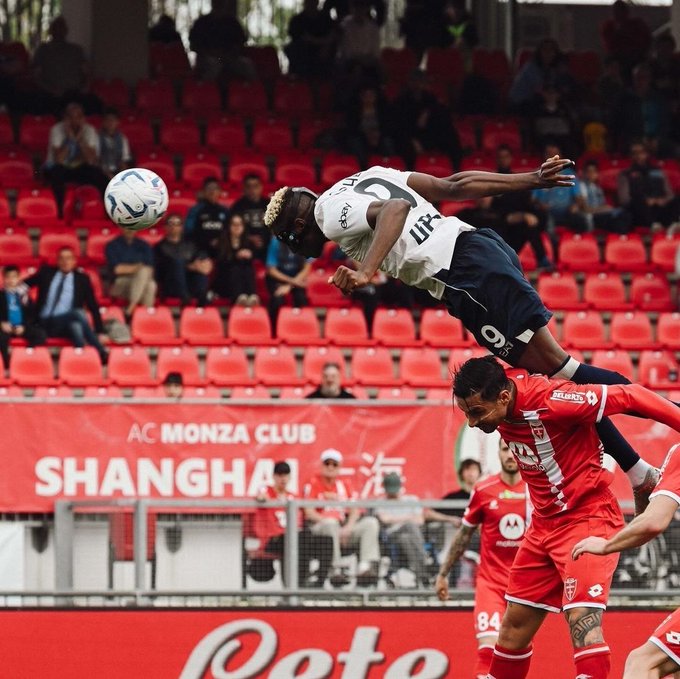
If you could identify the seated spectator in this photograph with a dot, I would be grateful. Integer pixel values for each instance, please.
(164, 30)
(313, 35)
(368, 124)
(644, 190)
(234, 269)
(599, 214)
(270, 526)
(459, 27)
(287, 275)
(17, 314)
(346, 526)
(130, 263)
(358, 52)
(63, 296)
(331, 384)
(625, 37)
(208, 219)
(251, 207)
(73, 154)
(114, 147)
(552, 119)
(561, 207)
(173, 385)
(402, 522)
(341, 8)
(182, 270)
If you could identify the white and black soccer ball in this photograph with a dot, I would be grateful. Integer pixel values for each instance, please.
(136, 198)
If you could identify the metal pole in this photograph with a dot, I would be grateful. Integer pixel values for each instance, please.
(139, 542)
(290, 552)
(63, 545)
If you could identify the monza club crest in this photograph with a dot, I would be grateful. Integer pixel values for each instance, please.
(570, 588)
(538, 430)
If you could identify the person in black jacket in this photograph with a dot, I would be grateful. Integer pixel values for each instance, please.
(17, 313)
(63, 296)
(208, 219)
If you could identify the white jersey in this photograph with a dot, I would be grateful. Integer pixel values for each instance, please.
(425, 246)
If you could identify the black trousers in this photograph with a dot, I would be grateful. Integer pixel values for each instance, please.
(33, 334)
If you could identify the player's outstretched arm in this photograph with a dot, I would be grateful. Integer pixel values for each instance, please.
(458, 546)
(637, 400)
(476, 184)
(639, 531)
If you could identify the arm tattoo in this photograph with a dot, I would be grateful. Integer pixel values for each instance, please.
(457, 548)
(586, 627)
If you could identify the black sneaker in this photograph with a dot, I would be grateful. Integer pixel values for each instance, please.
(339, 579)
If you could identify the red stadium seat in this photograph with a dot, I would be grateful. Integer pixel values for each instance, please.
(321, 293)
(202, 392)
(560, 291)
(605, 291)
(295, 173)
(610, 168)
(250, 393)
(11, 392)
(6, 131)
(80, 367)
(34, 132)
(293, 98)
(651, 292)
(266, 60)
(103, 393)
(201, 326)
(439, 329)
(298, 327)
(335, 167)
(658, 370)
(227, 366)
(199, 166)
(275, 366)
(272, 135)
(625, 253)
(16, 170)
(178, 359)
(493, 65)
(83, 206)
(153, 326)
(112, 91)
(439, 394)
(422, 368)
(458, 356)
(664, 251)
(372, 366)
(244, 163)
(130, 367)
(53, 392)
(449, 208)
(113, 313)
(180, 202)
(16, 248)
(224, 134)
(179, 134)
(584, 67)
(149, 392)
(138, 131)
(37, 208)
(671, 169)
(668, 331)
(402, 393)
(169, 60)
(50, 244)
(584, 330)
(295, 393)
(445, 64)
(495, 133)
(347, 327)
(31, 366)
(316, 357)
(249, 326)
(311, 130)
(437, 164)
(632, 330)
(618, 361)
(398, 64)
(160, 162)
(579, 253)
(467, 133)
(96, 245)
(394, 162)
(200, 97)
(155, 96)
(246, 98)
(394, 328)
(527, 256)
(479, 161)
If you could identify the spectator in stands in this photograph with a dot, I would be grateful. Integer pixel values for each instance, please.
(287, 275)
(63, 296)
(114, 147)
(235, 272)
(130, 263)
(368, 125)
(251, 207)
(402, 521)
(460, 30)
(173, 385)
(271, 528)
(624, 37)
(598, 212)
(164, 30)
(182, 270)
(665, 67)
(313, 37)
(331, 384)
(553, 119)
(17, 314)
(208, 219)
(563, 207)
(422, 123)
(73, 154)
(341, 8)
(346, 526)
(644, 190)
(358, 51)
(421, 25)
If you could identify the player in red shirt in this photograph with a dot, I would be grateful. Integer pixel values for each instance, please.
(498, 506)
(661, 654)
(550, 428)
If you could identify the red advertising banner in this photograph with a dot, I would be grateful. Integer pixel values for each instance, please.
(205, 451)
(361, 644)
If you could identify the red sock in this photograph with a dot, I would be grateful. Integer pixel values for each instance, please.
(592, 661)
(509, 664)
(484, 655)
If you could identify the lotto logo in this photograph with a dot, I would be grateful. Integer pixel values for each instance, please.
(595, 590)
(673, 637)
(591, 397)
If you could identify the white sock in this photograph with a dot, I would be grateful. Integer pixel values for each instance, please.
(638, 472)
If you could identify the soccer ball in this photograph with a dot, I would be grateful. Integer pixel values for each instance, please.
(136, 198)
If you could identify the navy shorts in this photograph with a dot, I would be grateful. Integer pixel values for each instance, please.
(486, 289)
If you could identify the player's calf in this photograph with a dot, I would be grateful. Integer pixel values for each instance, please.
(591, 654)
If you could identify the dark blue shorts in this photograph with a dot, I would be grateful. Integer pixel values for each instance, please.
(486, 289)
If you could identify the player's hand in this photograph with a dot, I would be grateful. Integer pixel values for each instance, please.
(348, 280)
(549, 174)
(591, 545)
(441, 587)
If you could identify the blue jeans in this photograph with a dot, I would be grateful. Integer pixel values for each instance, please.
(74, 326)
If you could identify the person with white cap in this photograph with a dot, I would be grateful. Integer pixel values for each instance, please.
(346, 526)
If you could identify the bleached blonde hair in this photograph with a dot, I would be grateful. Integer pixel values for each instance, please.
(275, 207)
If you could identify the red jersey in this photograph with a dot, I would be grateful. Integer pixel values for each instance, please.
(552, 435)
(669, 483)
(271, 521)
(501, 511)
(319, 489)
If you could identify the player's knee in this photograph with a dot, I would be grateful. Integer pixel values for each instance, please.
(585, 626)
(638, 664)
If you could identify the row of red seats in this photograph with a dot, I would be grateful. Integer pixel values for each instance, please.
(277, 367)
